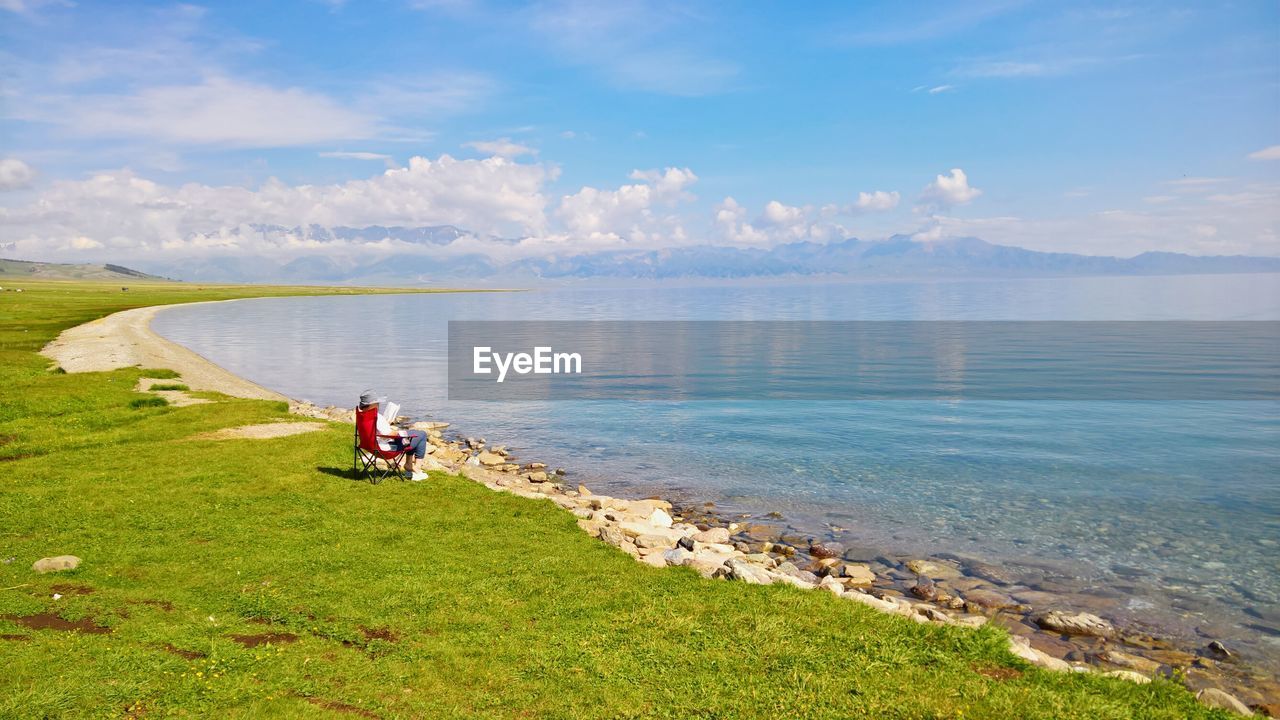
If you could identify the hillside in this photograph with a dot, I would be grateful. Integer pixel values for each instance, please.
(70, 271)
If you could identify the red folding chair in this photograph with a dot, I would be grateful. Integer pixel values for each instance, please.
(368, 450)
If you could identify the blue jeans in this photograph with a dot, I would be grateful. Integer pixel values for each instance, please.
(416, 441)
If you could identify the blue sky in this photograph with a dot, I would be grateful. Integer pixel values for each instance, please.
(1101, 128)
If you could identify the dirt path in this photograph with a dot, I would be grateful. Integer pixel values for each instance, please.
(125, 339)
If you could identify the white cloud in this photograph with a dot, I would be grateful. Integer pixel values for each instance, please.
(216, 111)
(1267, 153)
(342, 155)
(777, 223)
(941, 89)
(1195, 184)
(502, 147)
(1241, 223)
(632, 214)
(950, 190)
(878, 200)
(15, 174)
(123, 211)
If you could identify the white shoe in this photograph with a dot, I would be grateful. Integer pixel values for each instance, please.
(418, 476)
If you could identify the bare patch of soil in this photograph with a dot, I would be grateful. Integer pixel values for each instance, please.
(341, 707)
(49, 621)
(188, 654)
(69, 589)
(380, 634)
(265, 431)
(252, 641)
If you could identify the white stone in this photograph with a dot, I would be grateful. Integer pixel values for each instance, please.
(832, 585)
(1021, 647)
(660, 518)
(56, 564)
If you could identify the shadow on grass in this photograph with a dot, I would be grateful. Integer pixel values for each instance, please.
(344, 473)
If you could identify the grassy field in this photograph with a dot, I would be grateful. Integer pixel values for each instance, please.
(254, 578)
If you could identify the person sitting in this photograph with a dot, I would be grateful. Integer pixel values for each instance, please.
(413, 440)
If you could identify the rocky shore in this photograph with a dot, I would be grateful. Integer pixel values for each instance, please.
(1040, 611)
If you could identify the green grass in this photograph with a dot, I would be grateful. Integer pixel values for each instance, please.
(169, 386)
(430, 600)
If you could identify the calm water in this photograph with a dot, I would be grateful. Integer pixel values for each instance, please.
(1176, 505)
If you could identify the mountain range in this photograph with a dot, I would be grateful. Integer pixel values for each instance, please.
(424, 255)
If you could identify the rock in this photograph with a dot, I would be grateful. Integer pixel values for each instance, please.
(582, 490)
(831, 585)
(791, 570)
(677, 556)
(654, 560)
(1215, 698)
(1128, 661)
(988, 601)
(488, 458)
(686, 542)
(538, 476)
(924, 588)
(590, 527)
(858, 574)
(750, 573)
(886, 606)
(1175, 658)
(761, 559)
(708, 565)
(762, 533)
(934, 614)
(793, 580)
(653, 541)
(1074, 623)
(822, 550)
(56, 564)
(1217, 649)
(1129, 675)
(717, 535)
(660, 518)
(613, 535)
(990, 573)
(1019, 646)
(932, 569)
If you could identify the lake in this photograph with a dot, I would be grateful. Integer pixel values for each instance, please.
(1171, 507)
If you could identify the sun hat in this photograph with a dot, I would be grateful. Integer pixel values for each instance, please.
(369, 397)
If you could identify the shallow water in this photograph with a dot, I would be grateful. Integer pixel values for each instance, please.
(1175, 504)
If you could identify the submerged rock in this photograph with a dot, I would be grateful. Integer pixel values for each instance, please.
(858, 574)
(1075, 623)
